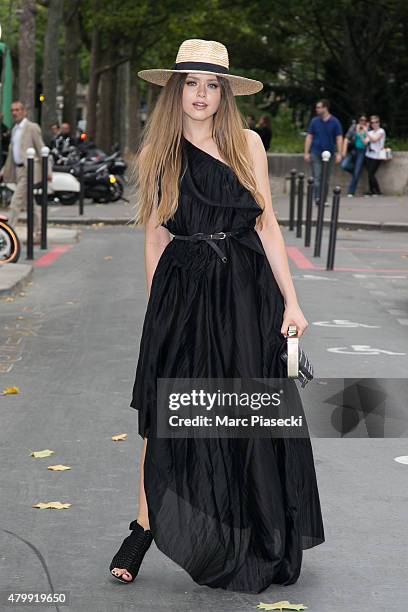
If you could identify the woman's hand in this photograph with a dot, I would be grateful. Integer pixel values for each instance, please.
(293, 316)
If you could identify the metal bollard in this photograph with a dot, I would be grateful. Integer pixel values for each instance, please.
(322, 198)
(324, 183)
(300, 194)
(333, 228)
(81, 186)
(30, 203)
(44, 196)
(309, 210)
(292, 198)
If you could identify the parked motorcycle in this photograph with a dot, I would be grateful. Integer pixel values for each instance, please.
(10, 246)
(104, 176)
(63, 188)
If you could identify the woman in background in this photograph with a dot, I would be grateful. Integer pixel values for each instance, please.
(264, 129)
(354, 149)
(376, 142)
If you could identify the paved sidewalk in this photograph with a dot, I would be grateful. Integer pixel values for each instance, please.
(387, 212)
(384, 213)
(14, 276)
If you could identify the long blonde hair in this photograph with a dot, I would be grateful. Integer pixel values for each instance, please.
(159, 156)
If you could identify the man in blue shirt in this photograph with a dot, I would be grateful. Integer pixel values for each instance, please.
(324, 133)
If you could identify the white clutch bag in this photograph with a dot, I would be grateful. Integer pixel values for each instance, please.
(298, 364)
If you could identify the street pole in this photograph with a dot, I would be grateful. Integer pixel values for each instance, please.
(30, 203)
(44, 196)
(326, 155)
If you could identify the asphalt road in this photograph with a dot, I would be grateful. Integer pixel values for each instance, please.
(70, 343)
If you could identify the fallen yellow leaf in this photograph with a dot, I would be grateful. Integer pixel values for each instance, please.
(10, 299)
(58, 468)
(281, 605)
(20, 318)
(119, 437)
(40, 454)
(52, 505)
(108, 257)
(10, 390)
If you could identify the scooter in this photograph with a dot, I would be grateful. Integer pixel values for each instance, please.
(104, 176)
(10, 247)
(99, 184)
(64, 187)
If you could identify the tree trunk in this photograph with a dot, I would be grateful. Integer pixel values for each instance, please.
(71, 62)
(93, 87)
(26, 52)
(50, 73)
(122, 107)
(107, 104)
(134, 107)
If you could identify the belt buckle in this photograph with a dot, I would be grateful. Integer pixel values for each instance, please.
(224, 235)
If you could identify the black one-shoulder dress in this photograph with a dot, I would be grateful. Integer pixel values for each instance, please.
(235, 513)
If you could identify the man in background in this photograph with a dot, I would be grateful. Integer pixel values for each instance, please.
(24, 134)
(324, 133)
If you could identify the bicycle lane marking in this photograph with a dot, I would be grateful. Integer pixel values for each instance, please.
(49, 258)
(302, 262)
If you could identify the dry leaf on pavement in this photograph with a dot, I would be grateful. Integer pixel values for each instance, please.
(58, 468)
(40, 454)
(51, 505)
(10, 390)
(119, 437)
(281, 605)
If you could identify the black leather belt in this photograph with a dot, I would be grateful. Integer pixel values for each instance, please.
(19, 165)
(216, 236)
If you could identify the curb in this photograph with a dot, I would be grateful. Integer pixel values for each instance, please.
(14, 277)
(89, 221)
(388, 226)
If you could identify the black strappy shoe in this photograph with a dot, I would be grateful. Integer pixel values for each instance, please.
(133, 549)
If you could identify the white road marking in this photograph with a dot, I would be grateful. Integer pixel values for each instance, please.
(361, 349)
(402, 459)
(344, 323)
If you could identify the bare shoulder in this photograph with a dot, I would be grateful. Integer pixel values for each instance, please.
(256, 149)
(254, 141)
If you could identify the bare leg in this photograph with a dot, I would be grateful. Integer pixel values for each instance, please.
(143, 517)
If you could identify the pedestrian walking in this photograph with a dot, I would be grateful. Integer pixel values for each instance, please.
(376, 143)
(24, 134)
(324, 133)
(234, 513)
(264, 129)
(354, 149)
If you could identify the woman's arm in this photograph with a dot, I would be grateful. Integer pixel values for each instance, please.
(156, 240)
(345, 146)
(378, 136)
(272, 239)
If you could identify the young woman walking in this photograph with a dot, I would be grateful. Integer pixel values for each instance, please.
(235, 513)
(375, 140)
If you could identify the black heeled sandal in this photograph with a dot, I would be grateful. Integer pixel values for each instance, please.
(133, 549)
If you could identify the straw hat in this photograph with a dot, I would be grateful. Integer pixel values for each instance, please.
(204, 56)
